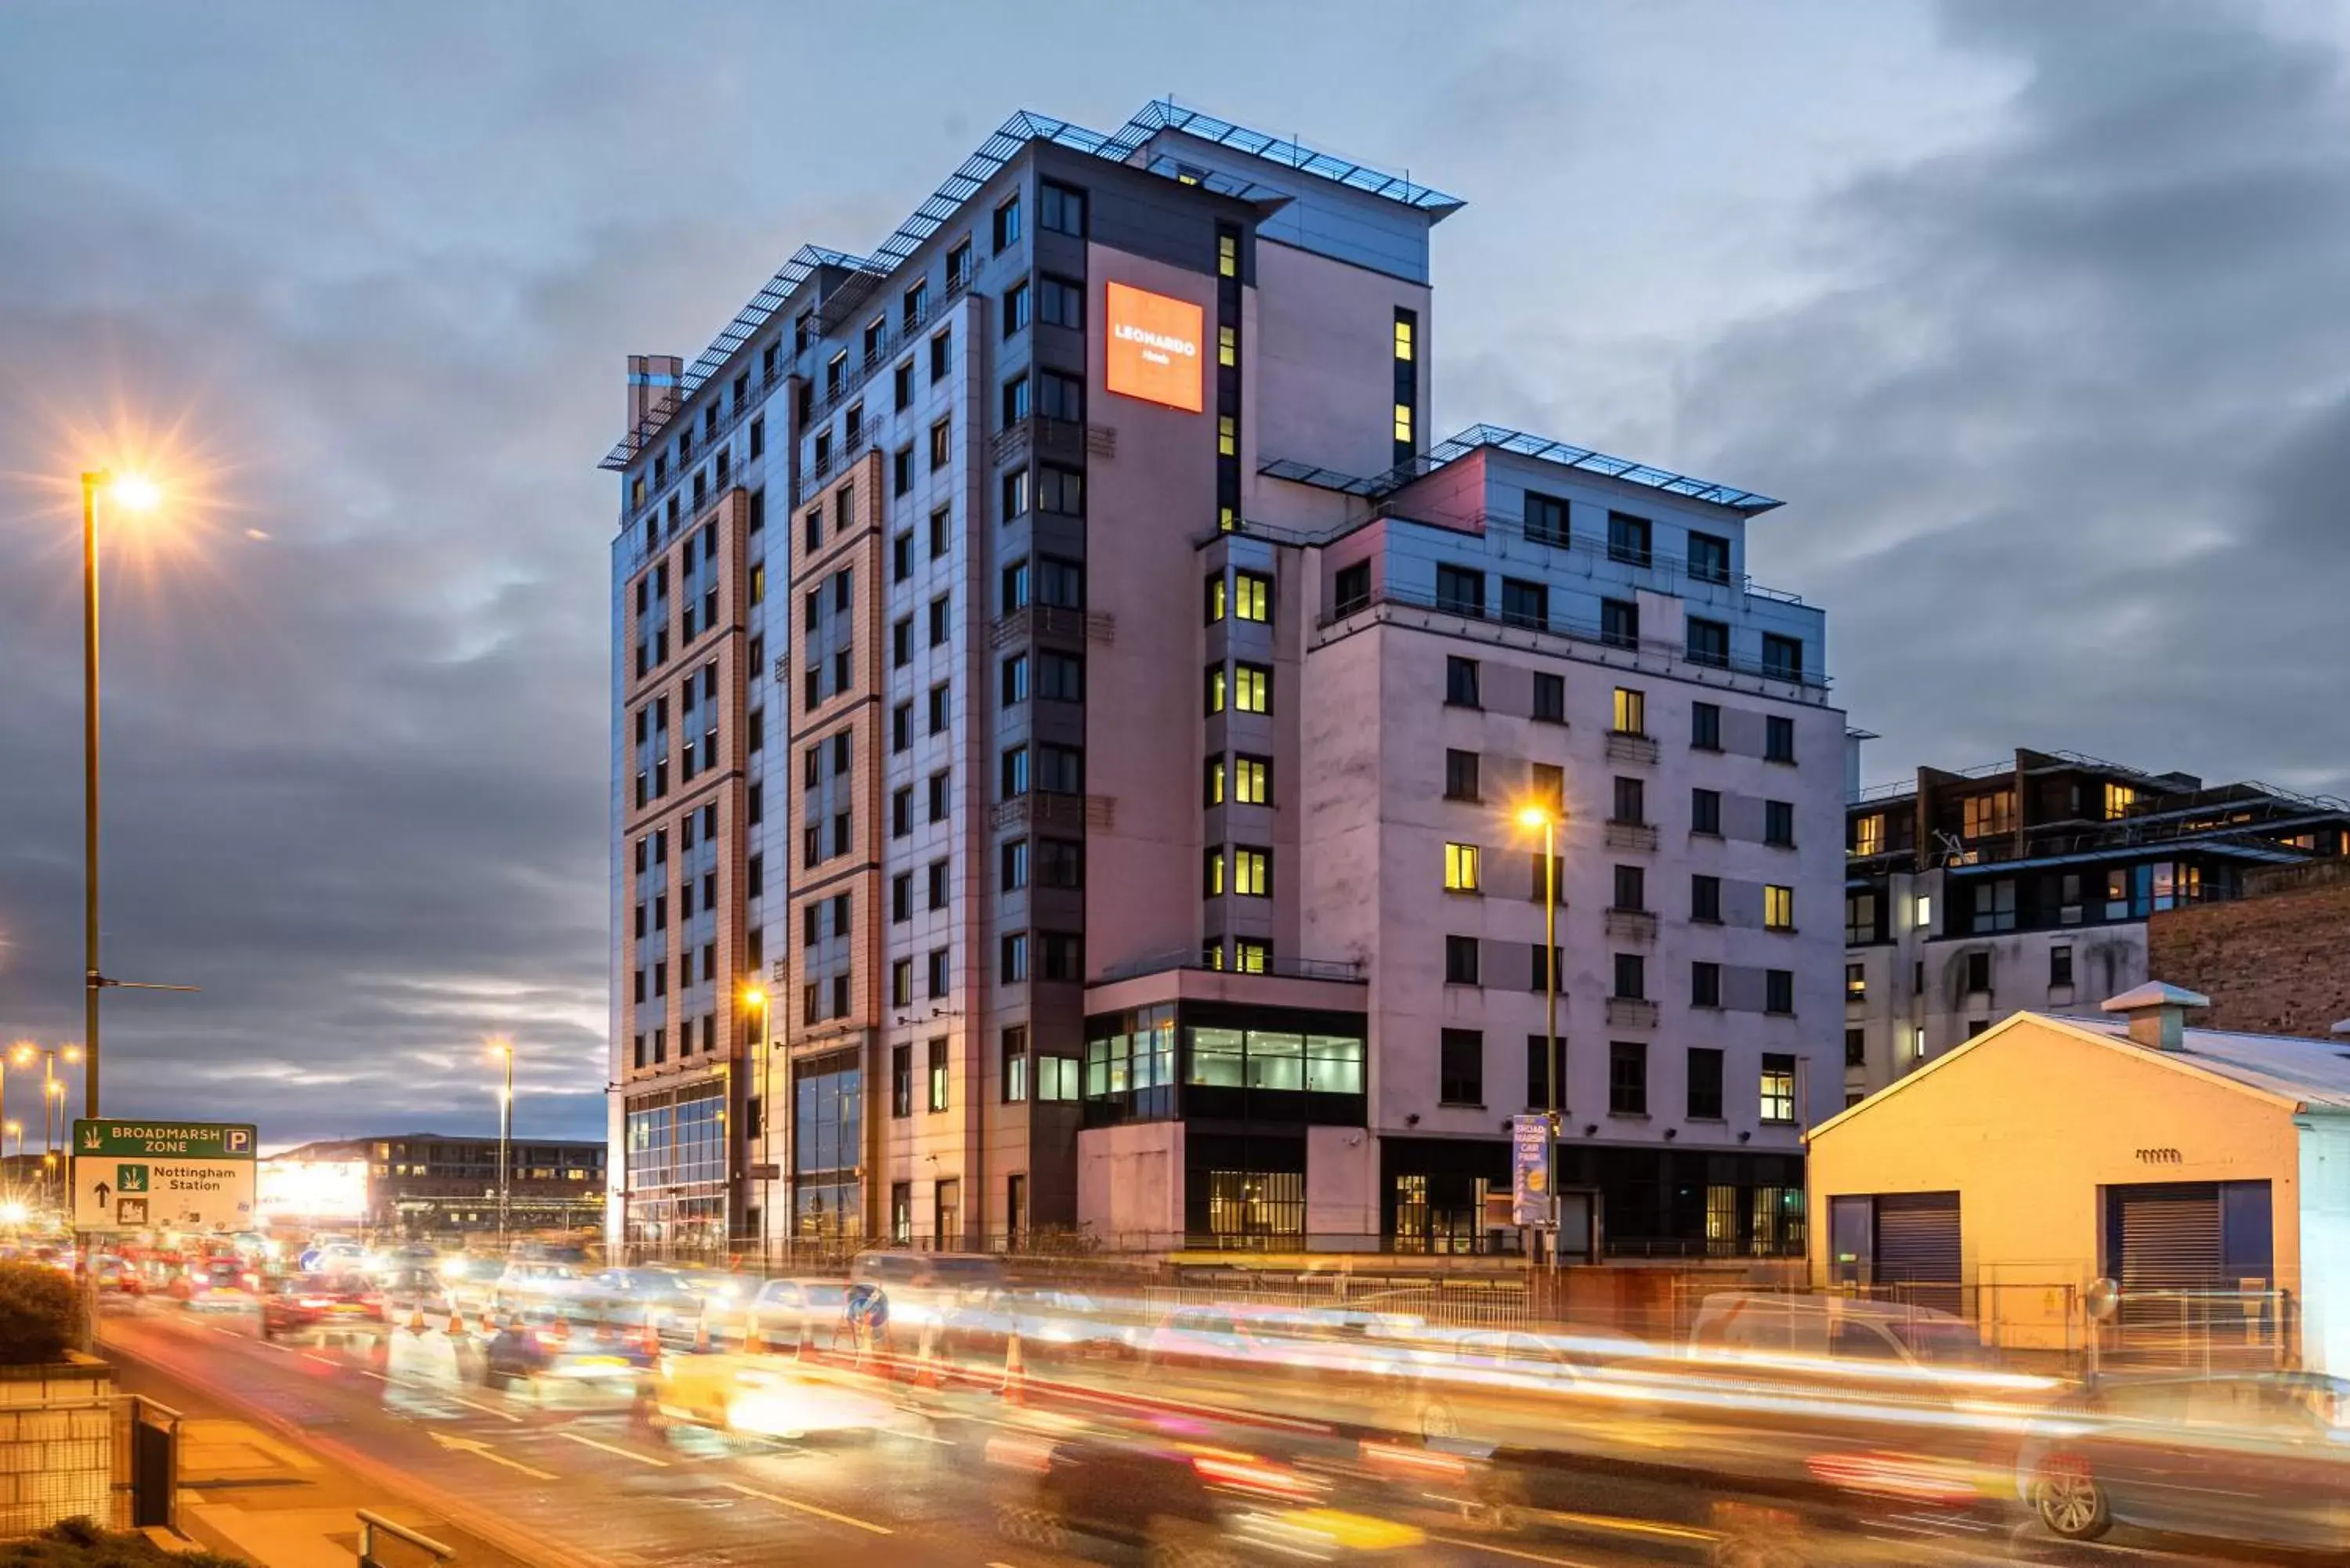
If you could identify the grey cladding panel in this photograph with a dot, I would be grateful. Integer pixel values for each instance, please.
(1741, 904)
(1743, 732)
(1741, 986)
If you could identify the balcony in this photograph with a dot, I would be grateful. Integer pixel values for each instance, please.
(1048, 438)
(1052, 623)
(1632, 925)
(1067, 811)
(783, 670)
(1626, 747)
(1631, 1013)
(1346, 972)
(1631, 835)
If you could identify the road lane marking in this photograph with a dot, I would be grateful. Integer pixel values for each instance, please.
(611, 1449)
(321, 1360)
(459, 1398)
(810, 1508)
(481, 1449)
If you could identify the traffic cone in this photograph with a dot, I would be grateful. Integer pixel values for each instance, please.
(489, 1321)
(702, 1334)
(1014, 1389)
(456, 1324)
(416, 1319)
(652, 1340)
(926, 1360)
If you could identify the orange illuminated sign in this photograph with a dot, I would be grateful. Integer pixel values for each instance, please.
(1153, 347)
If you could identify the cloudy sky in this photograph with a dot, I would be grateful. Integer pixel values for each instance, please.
(2035, 313)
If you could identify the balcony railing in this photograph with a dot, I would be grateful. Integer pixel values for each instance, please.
(1353, 971)
(1045, 809)
(1631, 835)
(1631, 1013)
(1632, 925)
(1622, 747)
(1052, 621)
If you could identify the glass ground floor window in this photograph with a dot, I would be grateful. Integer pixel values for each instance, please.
(1256, 1204)
(677, 1137)
(827, 1146)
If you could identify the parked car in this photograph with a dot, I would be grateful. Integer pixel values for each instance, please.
(922, 1285)
(786, 1310)
(293, 1304)
(1774, 1326)
(2260, 1458)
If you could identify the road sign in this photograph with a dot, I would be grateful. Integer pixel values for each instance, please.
(195, 1176)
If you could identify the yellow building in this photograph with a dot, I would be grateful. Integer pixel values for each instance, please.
(2206, 1174)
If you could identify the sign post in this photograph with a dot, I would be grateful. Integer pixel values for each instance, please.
(190, 1176)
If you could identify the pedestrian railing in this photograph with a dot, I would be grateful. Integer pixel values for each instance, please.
(385, 1544)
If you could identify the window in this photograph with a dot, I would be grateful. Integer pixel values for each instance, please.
(1539, 977)
(901, 898)
(1060, 303)
(1923, 912)
(1007, 223)
(1782, 657)
(901, 643)
(1778, 1087)
(1403, 437)
(1705, 899)
(1228, 347)
(1868, 833)
(1460, 775)
(1211, 873)
(1705, 983)
(1014, 960)
(1632, 977)
(1016, 321)
(1061, 770)
(1855, 983)
(937, 1098)
(1459, 682)
(1460, 961)
(1228, 436)
(1061, 956)
(2060, 966)
(902, 812)
(1060, 397)
(1705, 727)
(1060, 491)
(1461, 591)
(942, 793)
(1015, 1065)
(1015, 399)
(1546, 519)
(1709, 642)
(1631, 711)
(1013, 857)
(901, 983)
(1631, 803)
(1996, 905)
(941, 343)
(1627, 538)
(1252, 872)
(901, 1080)
(1014, 492)
(1779, 823)
(1704, 1084)
(1252, 781)
(1013, 680)
(1251, 689)
(1251, 596)
(1779, 991)
(1061, 208)
(939, 976)
(2119, 799)
(1855, 1047)
(1461, 1067)
(1547, 878)
(1351, 588)
(1778, 908)
(1705, 812)
(1525, 602)
(1627, 1078)
(1983, 815)
(1406, 331)
(1061, 583)
(754, 880)
(1228, 252)
(1859, 918)
(1461, 868)
(1015, 586)
(901, 727)
(1550, 697)
(1060, 863)
(1015, 773)
(901, 471)
(1631, 889)
(1778, 738)
(1709, 558)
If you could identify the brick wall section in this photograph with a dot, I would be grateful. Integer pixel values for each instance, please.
(56, 1445)
(2274, 963)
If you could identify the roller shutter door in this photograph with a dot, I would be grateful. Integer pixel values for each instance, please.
(1917, 1247)
(2170, 1236)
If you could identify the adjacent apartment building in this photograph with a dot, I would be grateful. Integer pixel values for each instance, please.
(2030, 884)
(1070, 728)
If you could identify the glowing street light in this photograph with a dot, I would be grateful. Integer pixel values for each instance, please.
(1545, 817)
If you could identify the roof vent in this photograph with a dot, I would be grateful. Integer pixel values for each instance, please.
(2156, 1013)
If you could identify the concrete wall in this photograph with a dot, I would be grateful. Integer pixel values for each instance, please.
(2273, 963)
(2324, 1243)
(1130, 1185)
(2026, 1124)
(57, 1446)
(1324, 359)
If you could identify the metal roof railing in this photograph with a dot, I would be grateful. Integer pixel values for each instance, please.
(1476, 438)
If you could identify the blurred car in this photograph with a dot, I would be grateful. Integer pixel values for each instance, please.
(120, 1275)
(1180, 1503)
(1054, 1325)
(401, 1259)
(215, 1284)
(539, 1345)
(927, 1286)
(293, 1304)
(762, 1396)
(523, 1284)
(786, 1310)
(2261, 1458)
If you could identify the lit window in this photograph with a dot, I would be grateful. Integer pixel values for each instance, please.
(1778, 908)
(2119, 798)
(1868, 834)
(1403, 336)
(1228, 346)
(1251, 955)
(1460, 867)
(1778, 1088)
(1228, 256)
(1631, 711)
(1983, 815)
(1251, 596)
(1403, 421)
(1214, 793)
(1925, 912)
(1251, 689)
(1253, 872)
(1216, 682)
(1217, 597)
(1228, 436)
(1252, 780)
(1212, 874)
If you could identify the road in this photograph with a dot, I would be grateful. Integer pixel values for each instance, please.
(565, 1474)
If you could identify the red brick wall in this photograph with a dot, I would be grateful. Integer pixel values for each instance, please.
(2275, 964)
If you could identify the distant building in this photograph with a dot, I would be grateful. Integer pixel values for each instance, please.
(2276, 959)
(429, 1184)
(2030, 885)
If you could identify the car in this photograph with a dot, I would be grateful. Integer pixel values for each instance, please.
(786, 1312)
(523, 1284)
(120, 1275)
(1182, 1504)
(762, 1397)
(215, 1284)
(1890, 1336)
(927, 1286)
(293, 1304)
(2258, 1458)
(542, 1345)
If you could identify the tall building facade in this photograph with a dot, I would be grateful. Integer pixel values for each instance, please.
(2030, 884)
(1054, 669)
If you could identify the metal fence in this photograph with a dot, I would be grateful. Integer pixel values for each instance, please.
(385, 1544)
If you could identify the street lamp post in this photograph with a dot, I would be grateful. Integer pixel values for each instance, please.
(504, 1048)
(1547, 818)
(754, 998)
(136, 494)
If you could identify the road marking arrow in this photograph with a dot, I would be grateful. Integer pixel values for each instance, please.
(475, 1446)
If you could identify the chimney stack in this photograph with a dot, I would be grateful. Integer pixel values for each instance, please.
(653, 384)
(2156, 1013)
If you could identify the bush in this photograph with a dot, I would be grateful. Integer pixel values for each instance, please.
(79, 1543)
(38, 1313)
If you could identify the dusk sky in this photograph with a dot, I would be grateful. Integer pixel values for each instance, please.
(2033, 313)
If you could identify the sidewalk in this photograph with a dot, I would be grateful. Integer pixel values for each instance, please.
(246, 1492)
